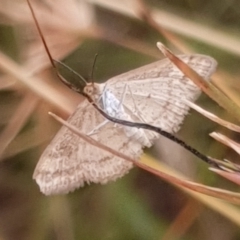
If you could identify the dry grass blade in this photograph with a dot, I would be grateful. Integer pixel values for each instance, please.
(21, 143)
(213, 117)
(180, 25)
(146, 14)
(214, 192)
(200, 188)
(20, 117)
(234, 177)
(226, 141)
(6, 82)
(36, 85)
(226, 165)
(229, 211)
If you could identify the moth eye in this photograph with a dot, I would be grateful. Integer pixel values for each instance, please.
(88, 90)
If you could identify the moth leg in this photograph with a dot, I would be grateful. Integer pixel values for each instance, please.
(122, 99)
(96, 129)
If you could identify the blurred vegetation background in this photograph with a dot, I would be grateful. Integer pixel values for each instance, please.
(140, 205)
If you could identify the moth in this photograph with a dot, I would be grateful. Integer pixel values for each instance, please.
(150, 94)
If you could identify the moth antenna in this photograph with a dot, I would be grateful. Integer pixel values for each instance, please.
(71, 70)
(93, 66)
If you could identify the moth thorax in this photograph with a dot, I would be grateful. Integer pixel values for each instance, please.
(92, 90)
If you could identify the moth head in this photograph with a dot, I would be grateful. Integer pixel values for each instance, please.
(91, 89)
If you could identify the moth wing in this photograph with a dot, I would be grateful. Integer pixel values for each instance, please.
(68, 162)
(154, 92)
